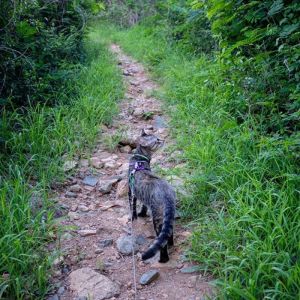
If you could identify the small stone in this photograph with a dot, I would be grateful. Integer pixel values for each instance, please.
(70, 195)
(69, 165)
(96, 163)
(138, 112)
(85, 282)
(106, 185)
(61, 290)
(73, 216)
(87, 232)
(59, 260)
(149, 277)
(98, 251)
(90, 180)
(74, 207)
(54, 297)
(189, 270)
(75, 188)
(83, 208)
(106, 243)
(111, 165)
(125, 149)
(84, 163)
(125, 245)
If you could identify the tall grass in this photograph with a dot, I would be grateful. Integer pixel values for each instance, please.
(245, 185)
(39, 140)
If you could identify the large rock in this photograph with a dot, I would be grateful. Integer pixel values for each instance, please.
(86, 282)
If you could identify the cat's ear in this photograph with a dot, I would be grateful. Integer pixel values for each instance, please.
(143, 133)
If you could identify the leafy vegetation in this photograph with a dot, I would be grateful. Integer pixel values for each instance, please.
(38, 140)
(236, 116)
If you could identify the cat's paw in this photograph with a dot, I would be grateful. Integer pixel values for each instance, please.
(134, 216)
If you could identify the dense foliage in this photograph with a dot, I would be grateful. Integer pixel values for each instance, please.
(47, 115)
(40, 46)
(231, 68)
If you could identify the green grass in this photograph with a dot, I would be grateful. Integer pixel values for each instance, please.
(245, 200)
(43, 139)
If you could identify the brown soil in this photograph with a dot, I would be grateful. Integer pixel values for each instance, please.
(107, 214)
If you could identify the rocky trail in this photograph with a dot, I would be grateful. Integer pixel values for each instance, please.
(96, 261)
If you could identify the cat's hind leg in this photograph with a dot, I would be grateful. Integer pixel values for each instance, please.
(171, 240)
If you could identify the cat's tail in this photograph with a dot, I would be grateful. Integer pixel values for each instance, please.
(165, 233)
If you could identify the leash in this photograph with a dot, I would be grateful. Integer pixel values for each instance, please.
(131, 186)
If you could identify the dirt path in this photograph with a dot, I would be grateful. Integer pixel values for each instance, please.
(92, 265)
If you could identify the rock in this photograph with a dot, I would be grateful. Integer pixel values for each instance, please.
(83, 208)
(54, 297)
(125, 149)
(188, 270)
(111, 165)
(149, 277)
(106, 185)
(90, 180)
(159, 122)
(73, 216)
(61, 290)
(74, 207)
(84, 163)
(140, 240)
(98, 251)
(124, 168)
(58, 261)
(138, 112)
(96, 163)
(86, 282)
(75, 188)
(87, 232)
(70, 195)
(69, 165)
(122, 188)
(106, 243)
(125, 245)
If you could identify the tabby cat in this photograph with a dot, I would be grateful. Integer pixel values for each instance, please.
(154, 193)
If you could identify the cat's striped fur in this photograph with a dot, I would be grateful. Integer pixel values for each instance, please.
(156, 195)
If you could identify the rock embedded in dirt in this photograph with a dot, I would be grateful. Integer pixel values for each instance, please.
(149, 277)
(189, 270)
(87, 232)
(90, 180)
(159, 122)
(125, 244)
(105, 185)
(70, 195)
(75, 188)
(105, 243)
(69, 165)
(73, 216)
(83, 208)
(85, 282)
(96, 163)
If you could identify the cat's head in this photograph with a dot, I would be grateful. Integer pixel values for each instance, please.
(149, 142)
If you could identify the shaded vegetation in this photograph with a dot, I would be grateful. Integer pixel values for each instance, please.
(47, 117)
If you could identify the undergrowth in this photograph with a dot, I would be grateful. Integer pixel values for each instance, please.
(38, 141)
(245, 200)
